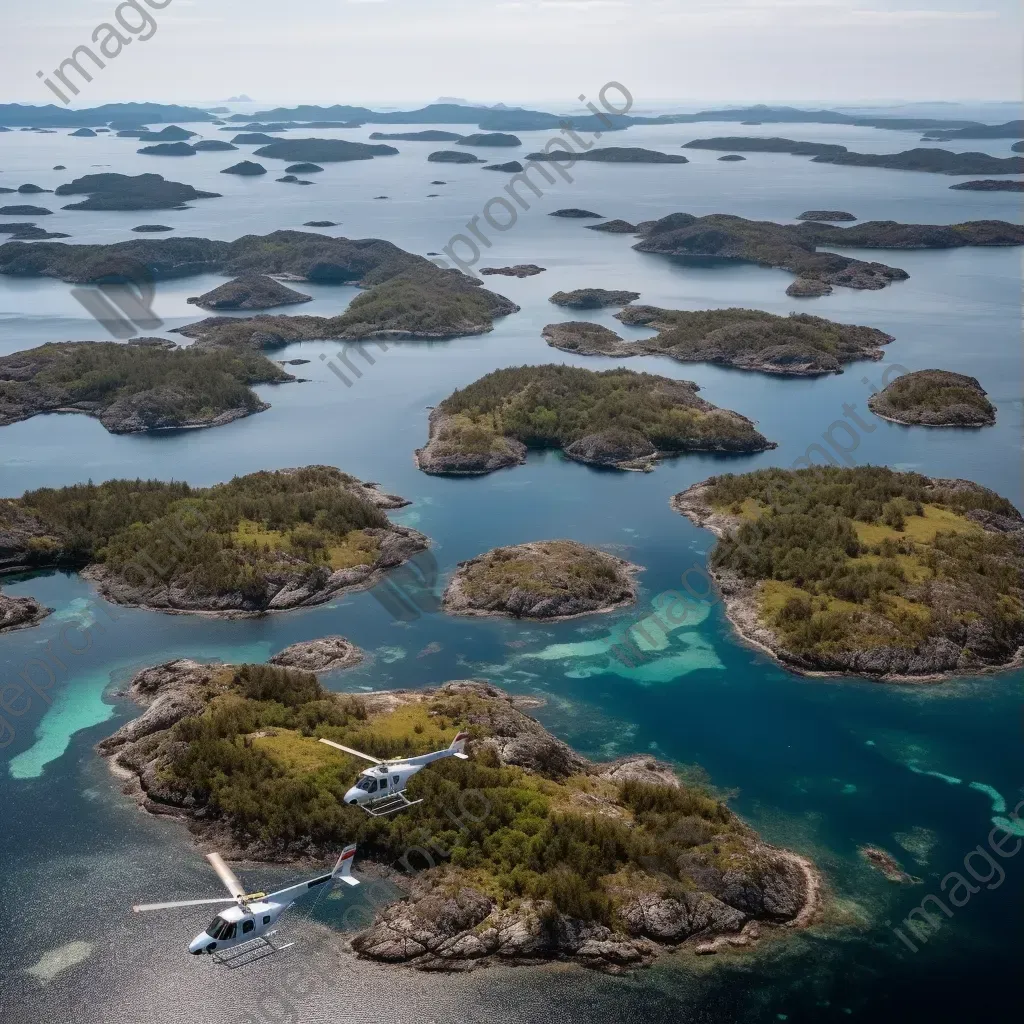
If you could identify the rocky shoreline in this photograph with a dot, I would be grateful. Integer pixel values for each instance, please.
(325, 654)
(443, 919)
(20, 613)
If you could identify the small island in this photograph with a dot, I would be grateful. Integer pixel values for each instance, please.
(519, 270)
(584, 885)
(512, 167)
(732, 158)
(20, 612)
(592, 298)
(24, 211)
(934, 398)
(325, 654)
(490, 139)
(797, 345)
(616, 419)
(255, 291)
(575, 213)
(305, 167)
(550, 579)
(867, 571)
(612, 155)
(991, 185)
(260, 543)
(151, 229)
(246, 168)
(168, 149)
(430, 135)
(108, 191)
(252, 139)
(834, 216)
(136, 387)
(212, 146)
(453, 156)
(323, 151)
(25, 232)
(885, 863)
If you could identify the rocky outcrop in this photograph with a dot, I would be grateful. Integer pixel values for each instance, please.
(447, 454)
(884, 862)
(614, 449)
(593, 298)
(808, 288)
(934, 398)
(325, 654)
(545, 580)
(256, 291)
(20, 612)
(585, 337)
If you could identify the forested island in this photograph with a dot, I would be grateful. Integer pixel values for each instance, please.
(323, 151)
(108, 191)
(794, 247)
(407, 295)
(593, 298)
(797, 345)
(548, 579)
(867, 571)
(604, 865)
(934, 398)
(135, 387)
(936, 161)
(616, 419)
(612, 155)
(260, 543)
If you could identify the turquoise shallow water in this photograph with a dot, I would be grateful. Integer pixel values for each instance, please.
(821, 765)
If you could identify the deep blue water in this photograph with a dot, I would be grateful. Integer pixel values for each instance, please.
(820, 765)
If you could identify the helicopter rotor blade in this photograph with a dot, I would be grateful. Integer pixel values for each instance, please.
(226, 875)
(141, 907)
(349, 750)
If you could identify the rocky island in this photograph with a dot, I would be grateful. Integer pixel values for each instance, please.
(490, 139)
(867, 571)
(20, 612)
(835, 216)
(614, 227)
(261, 543)
(934, 398)
(615, 419)
(108, 191)
(991, 185)
(603, 865)
(453, 156)
(431, 135)
(168, 149)
(256, 291)
(551, 579)
(325, 654)
(797, 345)
(246, 169)
(519, 270)
(794, 247)
(135, 388)
(512, 167)
(575, 213)
(592, 298)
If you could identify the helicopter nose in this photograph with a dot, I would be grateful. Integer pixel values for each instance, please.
(199, 943)
(352, 796)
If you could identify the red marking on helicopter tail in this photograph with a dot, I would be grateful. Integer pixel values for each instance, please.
(349, 855)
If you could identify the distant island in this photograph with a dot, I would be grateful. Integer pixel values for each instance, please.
(867, 571)
(168, 149)
(1008, 130)
(323, 151)
(828, 215)
(512, 167)
(256, 291)
(794, 247)
(991, 185)
(574, 213)
(431, 135)
(614, 227)
(617, 419)
(625, 859)
(108, 191)
(550, 579)
(937, 161)
(246, 169)
(797, 345)
(490, 139)
(453, 156)
(261, 543)
(135, 387)
(592, 298)
(519, 270)
(934, 398)
(613, 155)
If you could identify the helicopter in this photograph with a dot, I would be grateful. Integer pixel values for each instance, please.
(253, 915)
(381, 789)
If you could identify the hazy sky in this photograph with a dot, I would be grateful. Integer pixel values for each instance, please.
(394, 51)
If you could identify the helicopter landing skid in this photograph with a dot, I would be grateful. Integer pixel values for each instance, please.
(250, 952)
(389, 805)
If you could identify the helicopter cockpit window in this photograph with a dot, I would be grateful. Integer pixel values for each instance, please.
(365, 783)
(218, 928)
(373, 786)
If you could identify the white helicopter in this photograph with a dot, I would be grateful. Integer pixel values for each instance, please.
(254, 914)
(381, 789)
